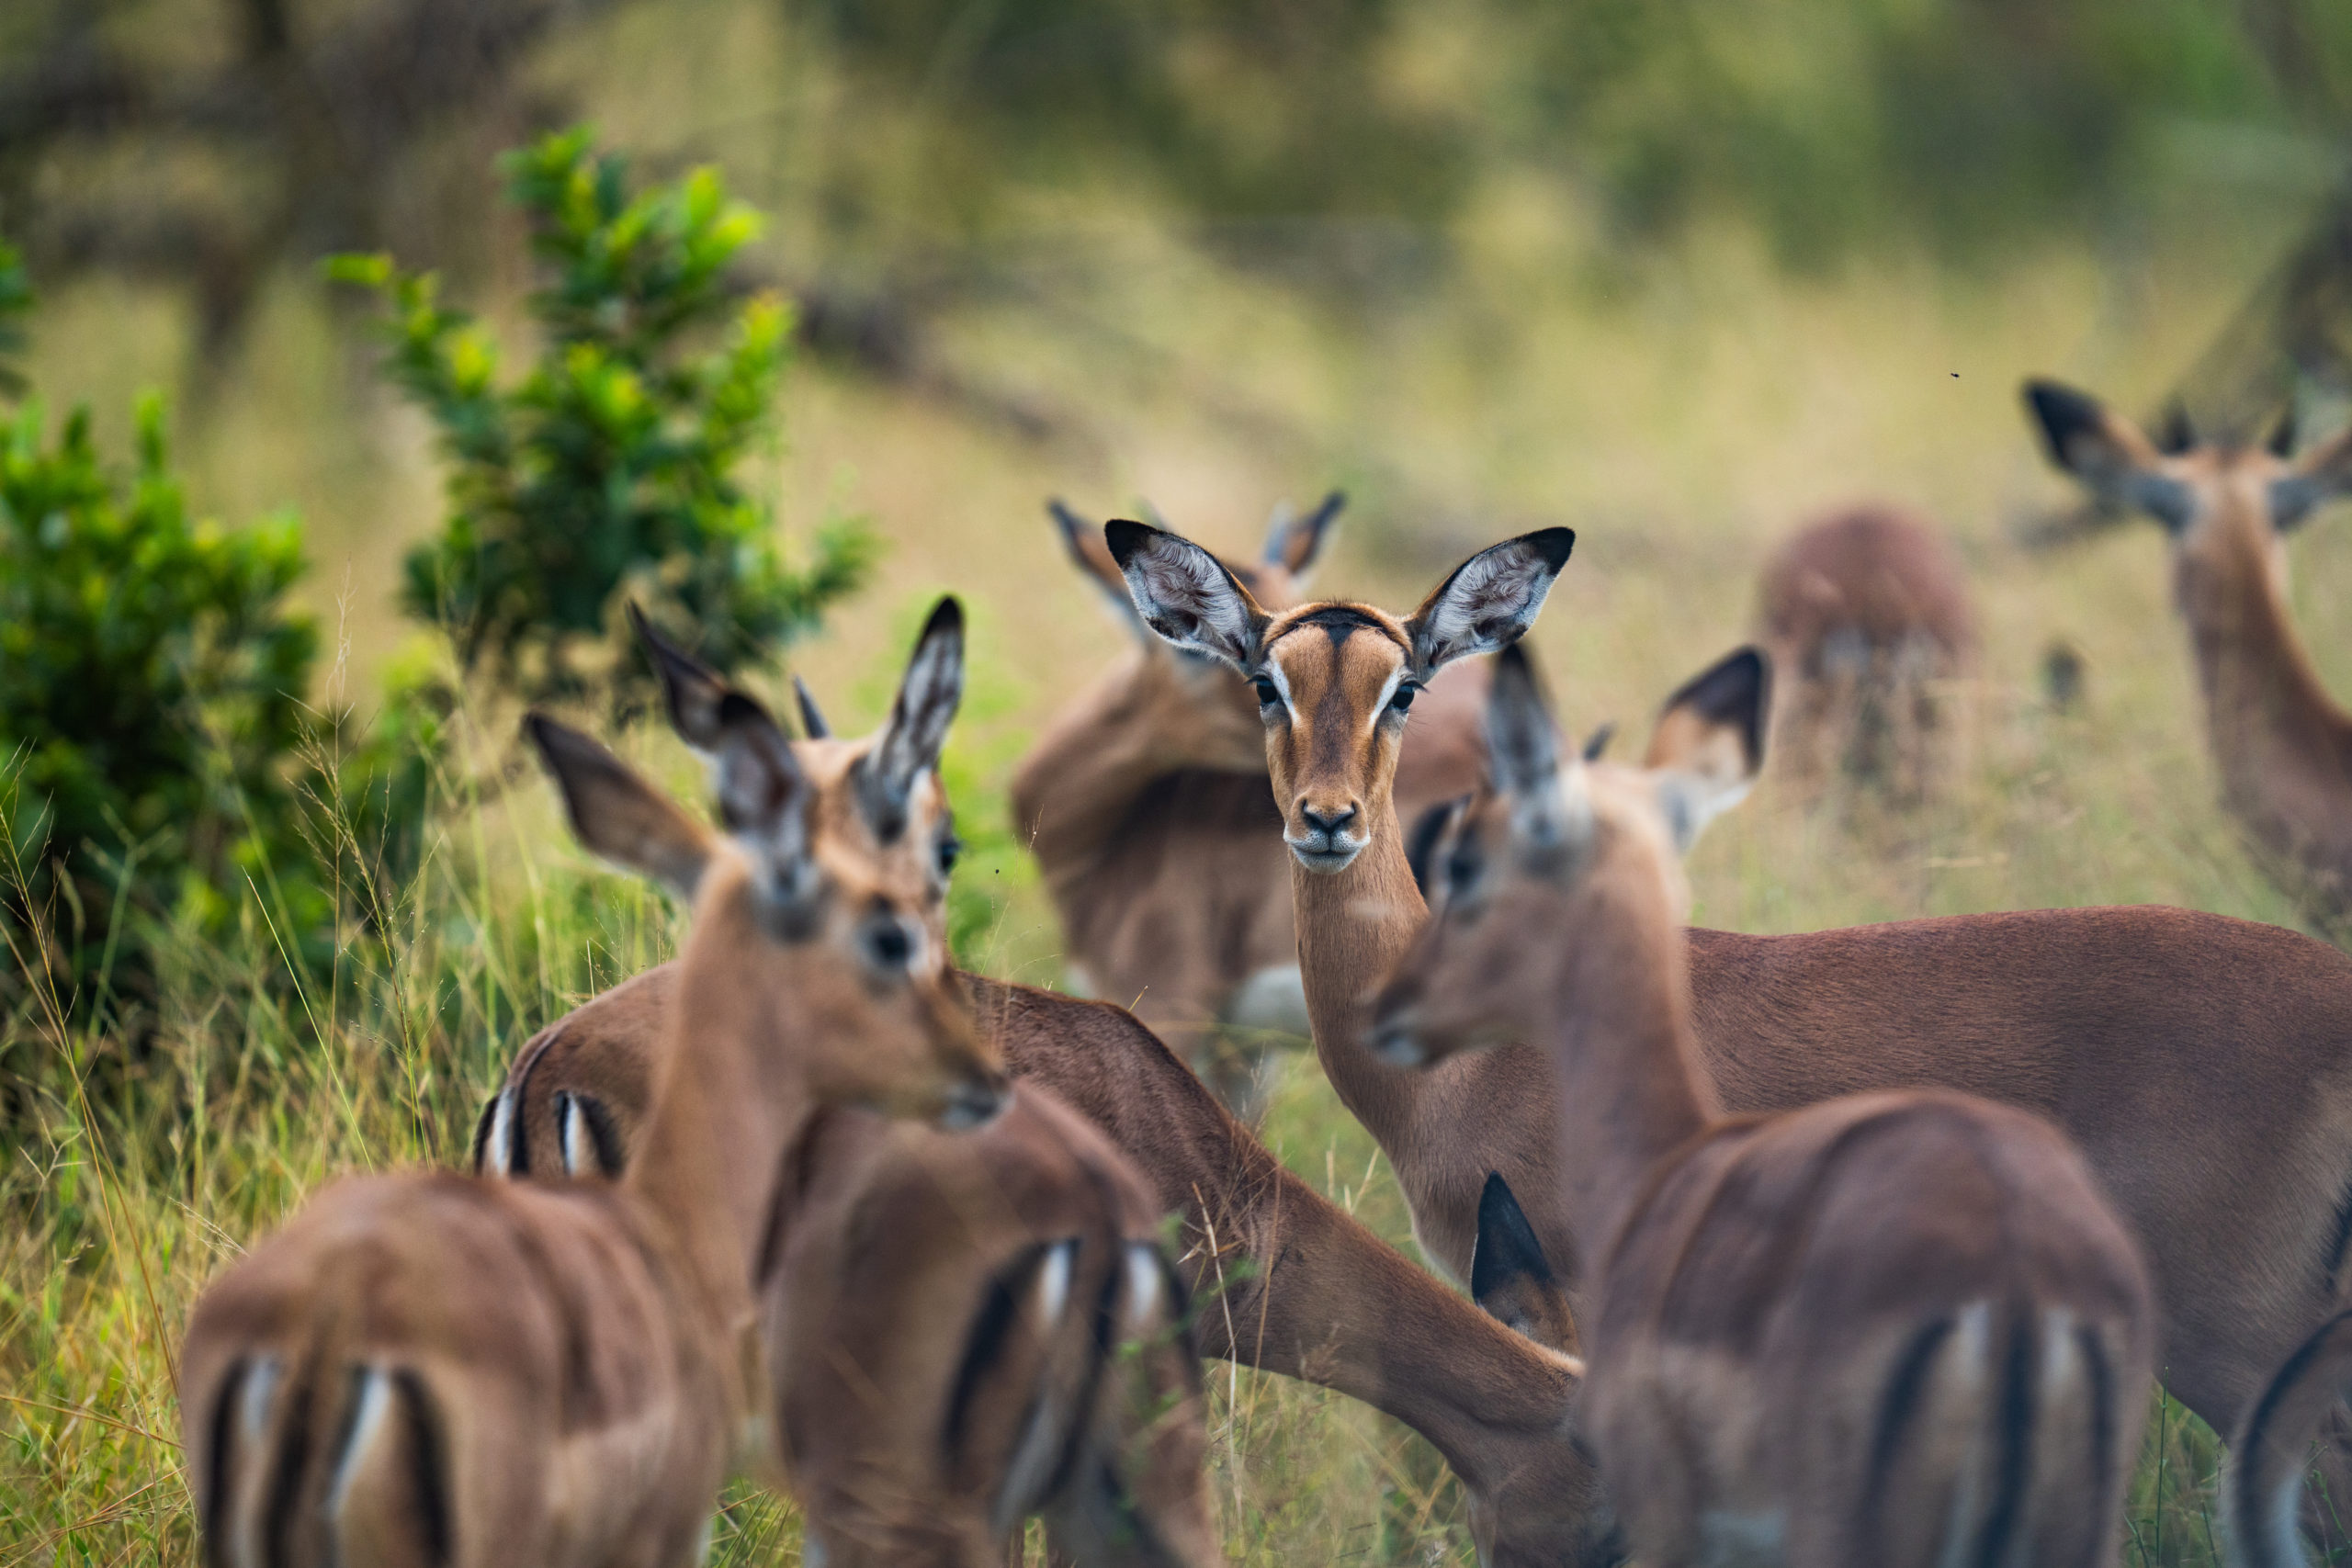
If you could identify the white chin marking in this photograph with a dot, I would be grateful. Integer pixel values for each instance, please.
(1327, 860)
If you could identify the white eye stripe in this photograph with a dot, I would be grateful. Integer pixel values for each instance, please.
(1388, 691)
(1282, 685)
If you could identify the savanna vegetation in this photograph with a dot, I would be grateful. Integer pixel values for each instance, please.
(1678, 276)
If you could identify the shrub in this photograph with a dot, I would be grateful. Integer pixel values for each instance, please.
(606, 473)
(16, 301)
(152, 680)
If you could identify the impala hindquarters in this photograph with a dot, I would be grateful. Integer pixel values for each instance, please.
(968, 1331)
(1868, 618)
(1891, 1328)
(437, 1370)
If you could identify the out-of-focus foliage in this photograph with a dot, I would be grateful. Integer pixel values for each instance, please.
(608, 473)
(1949, 122)
(15, 302)
(152, 682)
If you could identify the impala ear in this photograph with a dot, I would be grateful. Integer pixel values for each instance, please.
(2177, 434)
(1548, 808)
(1293, 542)
(1186, 595)
(812, 718)
(1708, 744)
(1087, 552)
(2282, 435)
(616, 814)
(1510, 1278)
(910, 743)
(691, 689)
(2107, 452)
(1489, 601)
(764, 799)
(2324, 473)
(1431, 830)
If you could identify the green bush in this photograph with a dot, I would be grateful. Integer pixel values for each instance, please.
(607, 472)
(152, 683)
(16, 301)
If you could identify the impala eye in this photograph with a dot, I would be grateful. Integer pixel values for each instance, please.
(1267, 695)
(951, 850)
(1406, 693)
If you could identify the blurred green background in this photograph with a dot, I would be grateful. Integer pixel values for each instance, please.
(1681, 274)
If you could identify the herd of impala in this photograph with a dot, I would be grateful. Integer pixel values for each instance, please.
(1856, 1247)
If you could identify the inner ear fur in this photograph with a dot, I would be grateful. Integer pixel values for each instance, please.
(1186, 594)
(616, 814)
(929, 695)
(1488, 602)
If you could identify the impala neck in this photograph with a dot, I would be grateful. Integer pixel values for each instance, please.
(1353, 927)
(2267, 718)
(1621, 1039)
(731, 1096)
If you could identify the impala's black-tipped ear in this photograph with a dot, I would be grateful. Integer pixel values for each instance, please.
(2177, 434)
(1185, 594)
(691, 689)
(1488, 602)
(2107, 452)
(1426, 843)
(1709, 745)
(1084, 541)
(812, 718)
(1293, 542)
(616, 814)
(910, 743)
(1510, 1278)
(1596, 744)
(2282, 435)
(2323, 473)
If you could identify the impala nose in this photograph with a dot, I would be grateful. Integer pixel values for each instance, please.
(1327, 826)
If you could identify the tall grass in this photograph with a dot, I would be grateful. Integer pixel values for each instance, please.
(1680, 419)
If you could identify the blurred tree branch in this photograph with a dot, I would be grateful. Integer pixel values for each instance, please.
(303, 128)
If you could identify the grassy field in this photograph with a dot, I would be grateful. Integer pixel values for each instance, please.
(1680, 419)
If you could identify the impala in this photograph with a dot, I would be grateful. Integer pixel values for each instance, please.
(2282, 745)
(2203, 1064)
(441, 1369)
(1866, 614)
(1144, 803)
(968, 1329)
(1299, 1288)
(1890, 1328)
(962, 1329)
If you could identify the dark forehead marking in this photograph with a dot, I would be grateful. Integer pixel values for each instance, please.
(1338, 620)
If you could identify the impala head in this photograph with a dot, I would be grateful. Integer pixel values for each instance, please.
(1333, 681)
(1191, 700)
(1585, 853)
(796, 915)
(877, 795)
(2214, 499)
